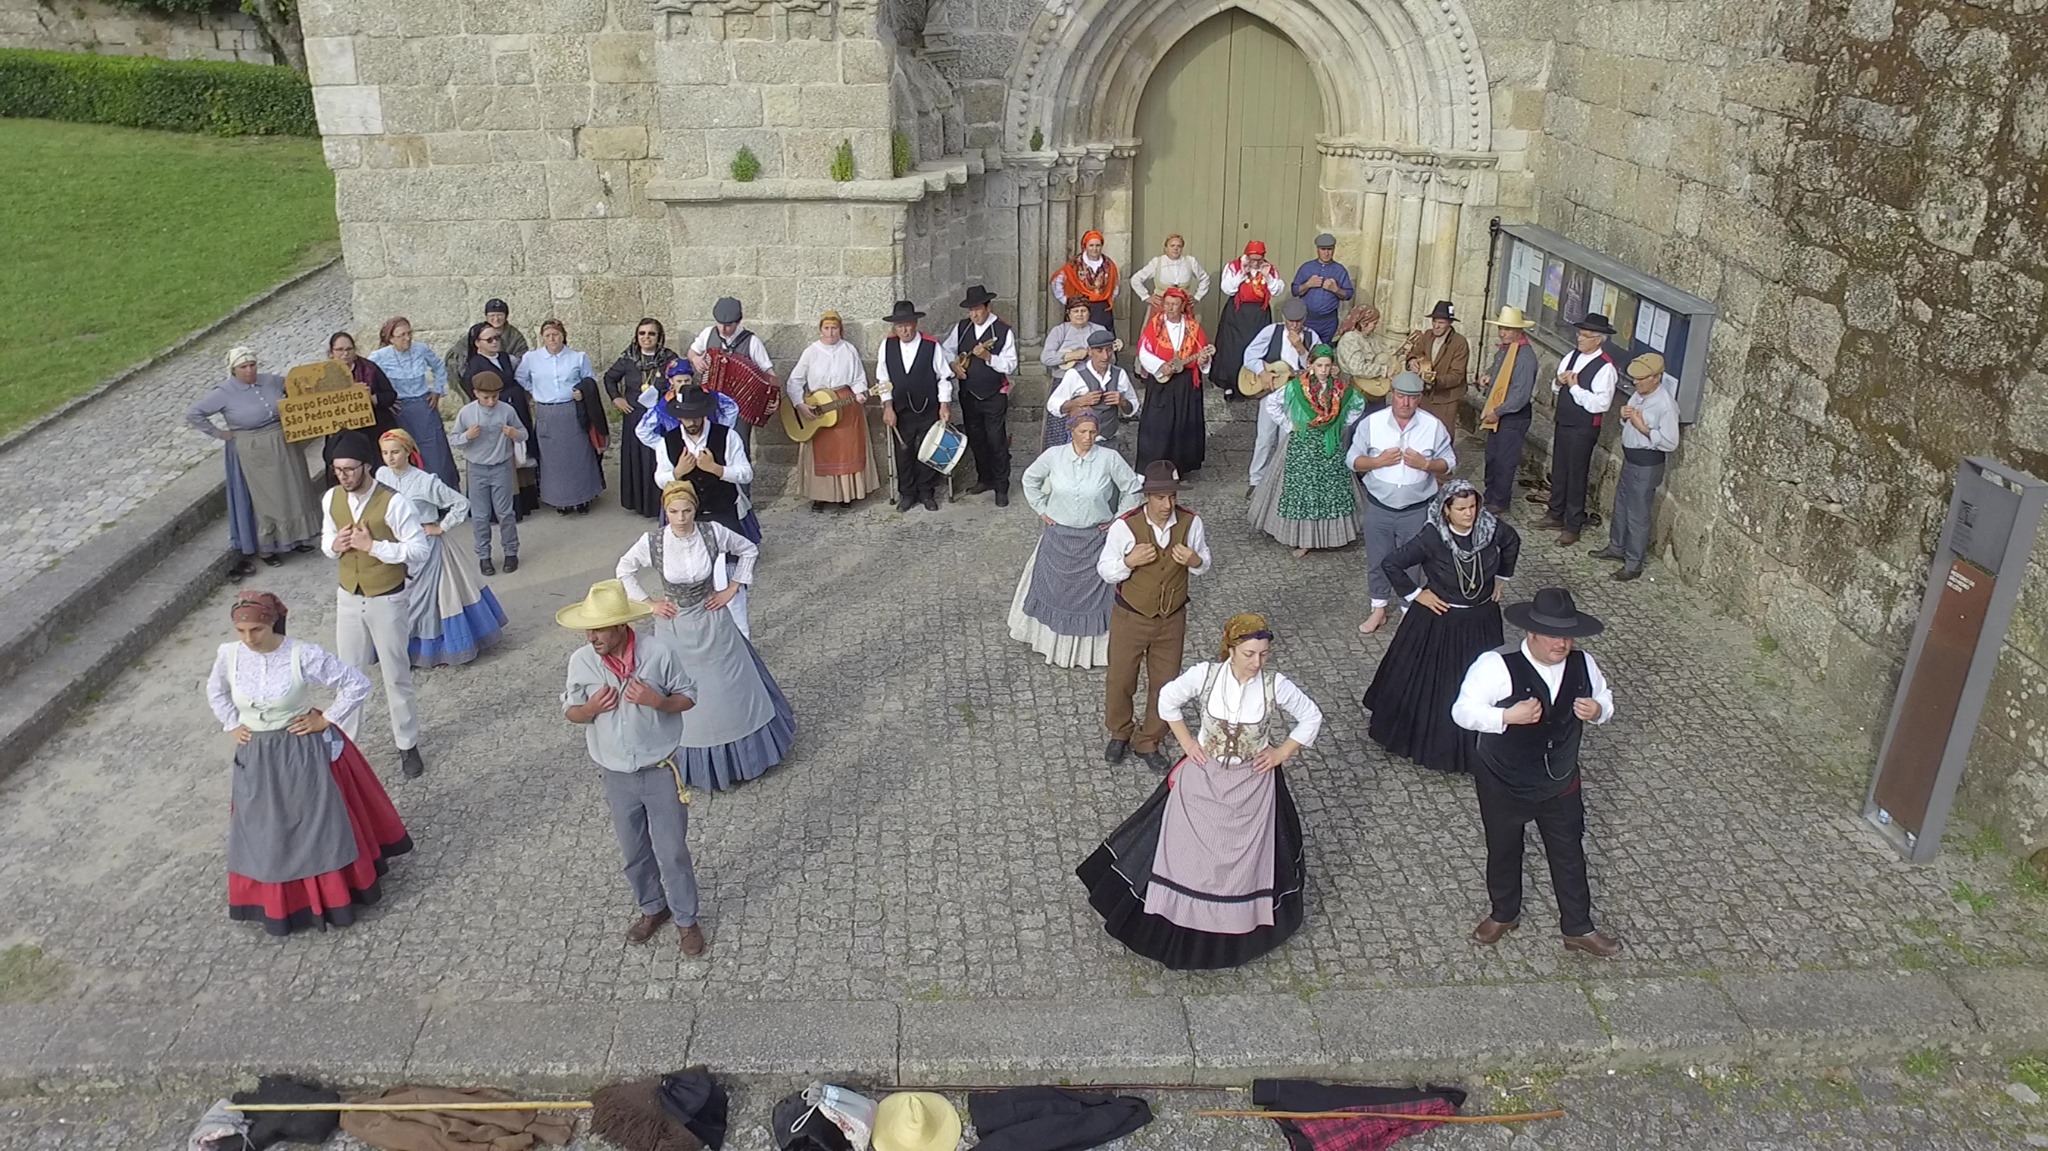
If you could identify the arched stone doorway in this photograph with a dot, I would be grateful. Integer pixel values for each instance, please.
(1229, 121)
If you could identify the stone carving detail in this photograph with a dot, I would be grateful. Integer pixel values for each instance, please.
(764, 19)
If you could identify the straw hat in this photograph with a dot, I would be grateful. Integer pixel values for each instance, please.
(1511, 317)
(916, 1121)
(605, 606)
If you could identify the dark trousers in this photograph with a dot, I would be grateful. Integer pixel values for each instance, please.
(1504, 457)
(1635, 509)
(988, 437)
(914, 481)
(1562, 824)
(1571, 463)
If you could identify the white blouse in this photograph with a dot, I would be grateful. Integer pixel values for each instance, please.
(1243, 703)
(685, 560)
(269, 676)
(432, 500)
(1164, 272)
(827, 367)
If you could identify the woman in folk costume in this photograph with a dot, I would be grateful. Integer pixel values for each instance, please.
(741, 725)
(420, 380)
(1250, 285)
(833, 466)
(487, 354)
(272, 506)
(639, 368)
(1173, 269)
(1315, 504)
(1367, 356)
(309, 827)
(1090, 277)
(566, 409)
(454, 615)
(1209, 872)
(1173, 352)
(341, 348)
(1466, 556)
(1078, 489)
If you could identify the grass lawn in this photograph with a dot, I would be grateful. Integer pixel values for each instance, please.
(120, 241)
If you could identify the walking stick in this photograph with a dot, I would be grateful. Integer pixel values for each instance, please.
(1411, 1116)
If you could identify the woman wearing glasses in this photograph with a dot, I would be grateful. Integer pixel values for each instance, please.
(642, 365)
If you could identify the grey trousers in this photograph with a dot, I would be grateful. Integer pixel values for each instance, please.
(1270, 444)
(491, 489)
(1635, 507)
(653, 825)
(379, 627)
(1384, 531)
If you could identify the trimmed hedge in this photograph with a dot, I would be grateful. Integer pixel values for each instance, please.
(225, 98)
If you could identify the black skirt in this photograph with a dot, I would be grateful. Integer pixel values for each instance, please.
(1118, 872)
(1418, 680)
(1171, 425)
(637, 490)
(1234, 333)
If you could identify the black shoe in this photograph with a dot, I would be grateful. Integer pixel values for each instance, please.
(1115, 752)
(302, 547)
(979, 489)
(1002, 499)
(905, 503)
(243, 568)
(818, 505)
(1608, 554)
(931, 503)
(582, 509)
(410, 764)
(1625, 575)
(511, 564)
(271, 561)
(486, 566)
(563, 511)
(1156, 760)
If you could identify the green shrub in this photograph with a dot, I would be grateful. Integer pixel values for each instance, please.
(746, 165)
(225, 98)
(842, 162)
(899, 154)
(1037, 140)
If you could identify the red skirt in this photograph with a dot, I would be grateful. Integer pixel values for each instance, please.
(330, 899)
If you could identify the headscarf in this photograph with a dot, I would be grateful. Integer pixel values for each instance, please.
(1357, 318)
(1332, 416)
(404, 438)
(1474, 542)
(659, 355)
(1244, 626)
(259, 607)
(1078, 281)
(240, 354)
(679, 490)
(1088, 414)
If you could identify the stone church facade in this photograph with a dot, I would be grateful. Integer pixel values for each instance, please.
(1860, 187)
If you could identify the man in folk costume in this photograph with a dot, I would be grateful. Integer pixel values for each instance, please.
(1148, 627)
(1443, 359)
(726, 334)
(1090, 276)
(1250, 285)
(1649, 434)
(1287, 342)
(1581, 394)
(1098, 384)
(984, 385)
(1404, 453)
(1323, 284)
(1529, 705)
(629, 692)
(922, 395)
(376, 535)
(1172, 353)
(692, 446)
(1510, 386)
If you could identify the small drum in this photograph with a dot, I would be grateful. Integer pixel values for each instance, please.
(743, 380)
(942, 448)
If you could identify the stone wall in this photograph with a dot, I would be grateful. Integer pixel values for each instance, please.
(1860, 187)
(115, 30)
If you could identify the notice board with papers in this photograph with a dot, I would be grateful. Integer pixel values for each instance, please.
(1556, 282)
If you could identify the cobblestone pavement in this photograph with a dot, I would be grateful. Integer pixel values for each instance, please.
(1841, 1109)
(920, 843)
(73, 478)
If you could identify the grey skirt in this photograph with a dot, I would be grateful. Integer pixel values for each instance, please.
(281, 494)
(288, 820)
(1067, 594)
(571, 474)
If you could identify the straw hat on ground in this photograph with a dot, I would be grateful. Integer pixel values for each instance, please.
(916, 1121)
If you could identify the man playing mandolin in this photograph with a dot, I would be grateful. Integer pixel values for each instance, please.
(1277, 354)
(983, 352)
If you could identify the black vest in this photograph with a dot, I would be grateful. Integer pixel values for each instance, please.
(717, 500)
(917, 386)
(1569, 413)
(1538, 761)
(982, 382)
(738, 345)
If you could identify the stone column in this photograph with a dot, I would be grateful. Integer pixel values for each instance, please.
(1372, 224)
(1407, 240)
(1119, 196)
(1030, 173)
(1060, 233)
(1443, 242)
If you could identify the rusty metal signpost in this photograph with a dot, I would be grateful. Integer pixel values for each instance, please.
(1972, 585)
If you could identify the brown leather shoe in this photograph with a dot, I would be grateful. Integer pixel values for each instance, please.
(1549, 524)
(643, 928)
(1490, 930)
(691, 940)
(1567, 539)
(1595, 944)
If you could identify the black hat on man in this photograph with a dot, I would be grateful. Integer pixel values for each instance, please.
(727, 310)
(1102, 339)
(977, 297)
(354, 445)
(905, 312)
(1595, 322)
(1552, 612)
(1443, 311)
(496, 307)
(692, 402)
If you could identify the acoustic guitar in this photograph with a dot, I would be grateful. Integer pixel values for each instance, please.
(825, 404)
(1275, 375)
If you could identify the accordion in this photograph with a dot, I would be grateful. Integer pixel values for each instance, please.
(742, 379)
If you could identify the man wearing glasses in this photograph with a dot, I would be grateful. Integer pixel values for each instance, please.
(375, 534)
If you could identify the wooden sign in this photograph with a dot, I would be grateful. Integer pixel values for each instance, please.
(321, 399)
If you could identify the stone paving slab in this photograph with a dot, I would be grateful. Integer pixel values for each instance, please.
(297, 1039)
(1669, 1016)
(1449, 1027)
(1238, 1036)
(1850, 1007)
(535, 1043)
(1072, 1040)
(862, 1040)
(2011, 1001)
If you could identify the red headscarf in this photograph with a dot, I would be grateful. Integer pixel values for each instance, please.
(1096, 287)
(1159, 342)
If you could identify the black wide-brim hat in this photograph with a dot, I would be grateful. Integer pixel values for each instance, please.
(905, 312)
(1595, 322)
(1443, 311)
(977, 296)
(692, 402)
(1552, 612)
